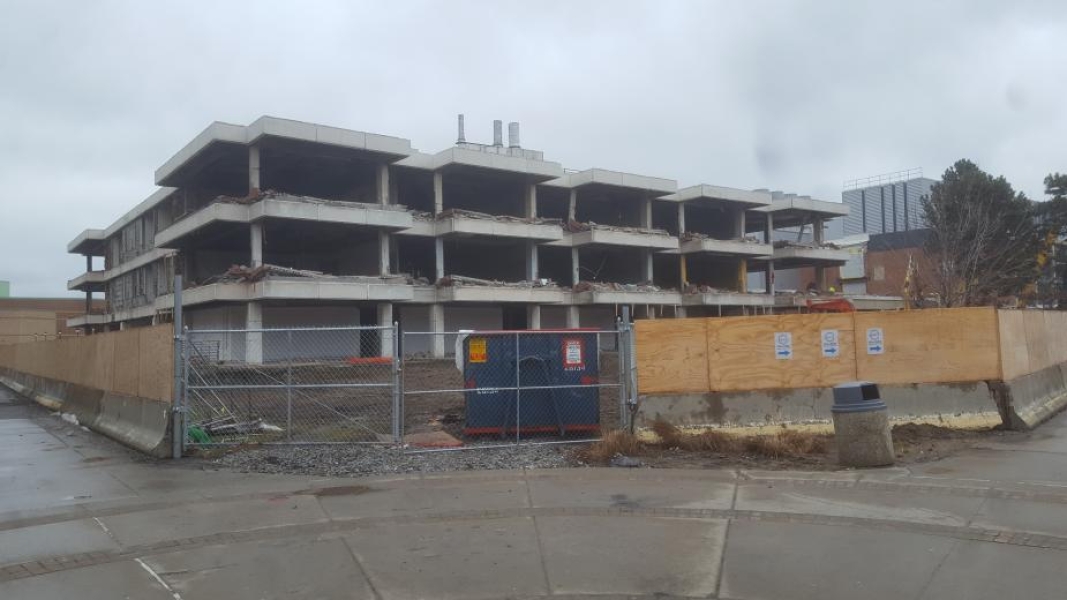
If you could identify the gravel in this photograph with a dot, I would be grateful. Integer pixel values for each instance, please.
(353, 460)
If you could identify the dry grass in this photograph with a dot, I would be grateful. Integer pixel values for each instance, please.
(705, 441)
(615, 442)
(786, 444)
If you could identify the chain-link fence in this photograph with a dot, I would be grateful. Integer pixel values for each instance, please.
(299, 385)
(513, 386)
(451, 389)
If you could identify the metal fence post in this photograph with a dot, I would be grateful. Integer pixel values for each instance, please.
(398, 392)
(623, 363)
(178, 402)
(289, 387)
(631, 375)
(518, 392)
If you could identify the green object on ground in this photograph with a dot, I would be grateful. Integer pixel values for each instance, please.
(198, 436)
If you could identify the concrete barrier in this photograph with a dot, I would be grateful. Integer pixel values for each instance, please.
(1029, 400)
(950, 404)
(139, 423)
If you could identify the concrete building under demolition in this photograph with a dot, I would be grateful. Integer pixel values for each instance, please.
(284, 223)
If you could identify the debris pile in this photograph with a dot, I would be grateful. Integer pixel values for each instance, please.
(244, 274)
(256, 195)
(693, 235)
(470, 214)
(461, 280)
(608, 286)
(579, 226)
(693, 288)
(791, 244)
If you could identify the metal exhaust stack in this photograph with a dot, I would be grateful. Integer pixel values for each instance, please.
(513, 135)
(461, 138)
(498, 133)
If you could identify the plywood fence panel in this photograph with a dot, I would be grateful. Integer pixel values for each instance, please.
(1014, 347)
(671, 356)
(156, 373)
(741, 352)
(930, 346)
(127, 362)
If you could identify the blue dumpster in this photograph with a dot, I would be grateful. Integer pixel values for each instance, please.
(546, 361)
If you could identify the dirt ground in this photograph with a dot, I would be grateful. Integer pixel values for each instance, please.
(913, 444)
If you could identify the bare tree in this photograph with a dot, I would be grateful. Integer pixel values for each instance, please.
(984, 238)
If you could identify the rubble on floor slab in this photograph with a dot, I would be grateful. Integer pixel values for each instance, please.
(707, 289)
(471, 214)
(461, 280)
(808, 245)
(693, 235)
(579, 226)
(244, 274)
(256, 195)
(608, 286)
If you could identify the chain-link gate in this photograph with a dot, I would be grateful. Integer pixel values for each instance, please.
(290, 386)
(536, 386)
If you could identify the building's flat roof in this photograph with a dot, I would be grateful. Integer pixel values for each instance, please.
(615, 179)
(707, 192)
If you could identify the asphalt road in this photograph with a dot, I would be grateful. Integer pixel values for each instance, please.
(83, 518)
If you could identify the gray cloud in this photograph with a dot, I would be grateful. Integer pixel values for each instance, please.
(787, 95)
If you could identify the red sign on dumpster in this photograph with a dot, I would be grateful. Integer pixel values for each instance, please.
(573, 353)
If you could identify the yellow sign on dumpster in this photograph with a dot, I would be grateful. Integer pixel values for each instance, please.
(476, 352)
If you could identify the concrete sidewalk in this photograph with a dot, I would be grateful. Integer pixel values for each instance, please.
(80, 518)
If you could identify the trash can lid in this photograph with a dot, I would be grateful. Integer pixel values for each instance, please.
(857, 396)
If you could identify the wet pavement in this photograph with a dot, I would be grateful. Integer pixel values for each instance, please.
(81, 517)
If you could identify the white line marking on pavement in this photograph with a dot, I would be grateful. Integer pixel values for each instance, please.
(104, 527)
(156, 576)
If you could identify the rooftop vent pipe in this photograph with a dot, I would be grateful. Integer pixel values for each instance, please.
(461, 138)
(513, 135)
(498, 133)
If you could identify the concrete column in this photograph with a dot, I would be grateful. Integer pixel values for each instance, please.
(679, 312)
(572, 206)
(740, 223)
(383, 252)
(253, 340)
(253, 169)
(533, 316)
(88, 302)
(122, 326)
(769, 229)
(88, 263)
(768, 278)
(817, 231)
(575, 262)
(532, 269)
(394, 191)
(438, 192)
(646, 213)
(437, 325)
(385, 319)
(646, 265)
(681, 218)
(683, 270)
(256, 238)
(531, 201)
(573, 321)
(820, 279)
(439, 258)
(382, 184)
(742, 276)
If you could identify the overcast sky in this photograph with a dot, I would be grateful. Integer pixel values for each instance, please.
(797, 96)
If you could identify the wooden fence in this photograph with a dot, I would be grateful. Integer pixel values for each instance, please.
(822, 350)
(135, 362)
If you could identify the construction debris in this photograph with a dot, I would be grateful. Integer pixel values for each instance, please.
(244, 274)
(809, 245)
(578, 227)
(693, 235)
(707, 289)
(607, 286)
(470, 214)
(256, 195)
(460, 280)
